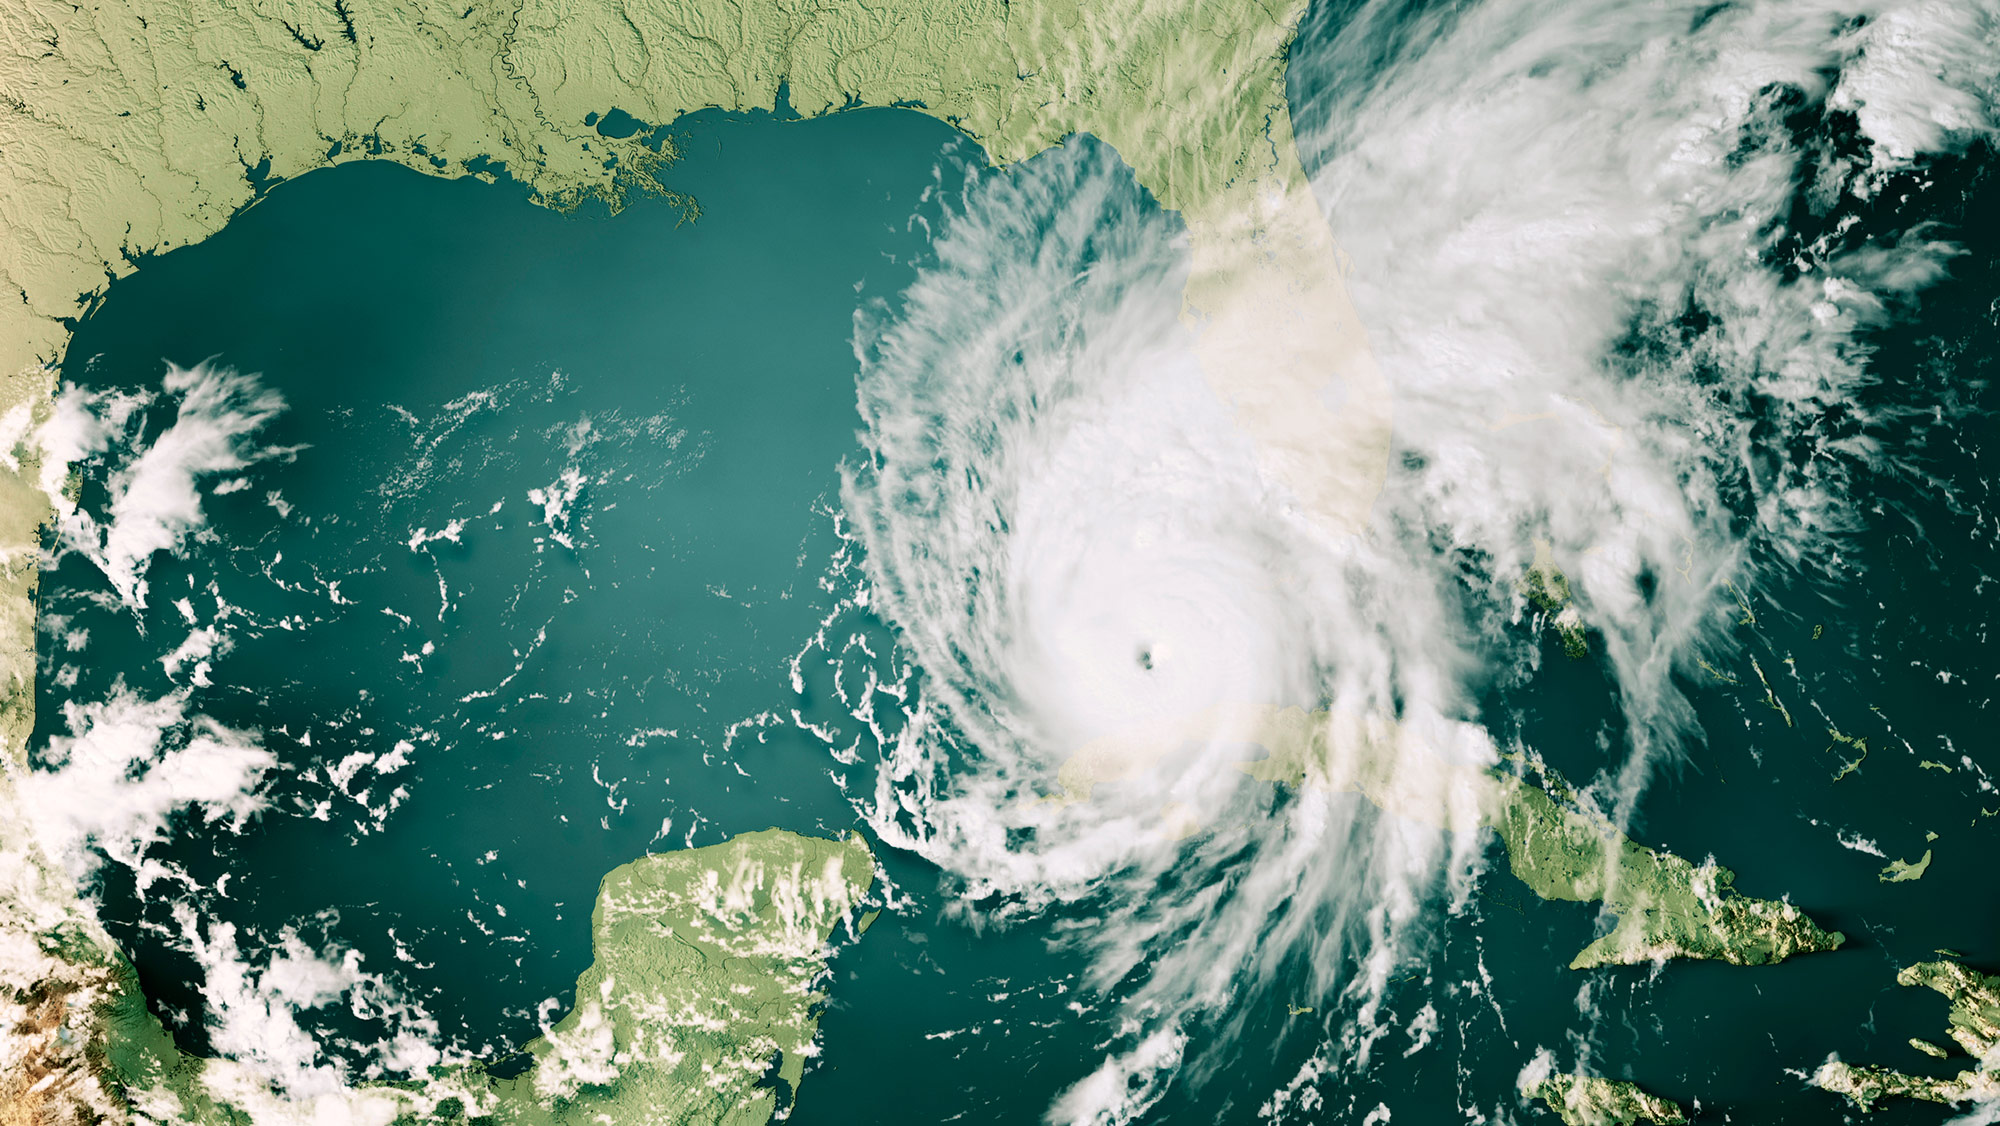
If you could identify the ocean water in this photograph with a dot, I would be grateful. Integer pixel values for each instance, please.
(577, 684)
(606, 523)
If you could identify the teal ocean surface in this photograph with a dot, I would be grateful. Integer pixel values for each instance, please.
(559, 509)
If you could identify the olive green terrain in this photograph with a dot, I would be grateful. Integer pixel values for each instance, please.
(699, 1008)
(131, 127)
(1974, 1027)
(703, 986)
(1589, 1100)
(1664, 906)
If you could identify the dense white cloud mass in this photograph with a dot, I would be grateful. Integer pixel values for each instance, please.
(1081, 554)
(128, 766)
(1572, 233)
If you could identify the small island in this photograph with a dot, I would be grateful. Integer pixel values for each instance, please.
(1547, 589)
(1588, 1100)
(1900, 871)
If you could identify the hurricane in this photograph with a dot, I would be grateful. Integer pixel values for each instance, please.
(1619, 270)
(1193, 610)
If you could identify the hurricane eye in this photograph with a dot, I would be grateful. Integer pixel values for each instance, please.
(1146, 659)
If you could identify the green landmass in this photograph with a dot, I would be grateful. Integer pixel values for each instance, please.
(1866, 1085)
(1548, 591)
(699, 1007)
(136, 126)
(1664, 906)
(1770, 695)
(1899, 871)
(1974, 1025)
(1588, 1100)
(1860, 746)
(1975, 1002)
(81, 1041)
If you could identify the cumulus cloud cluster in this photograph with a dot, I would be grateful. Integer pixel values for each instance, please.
(129, 765)
(155, 498)
(254, 1000)
(133, 770)
(117, 785)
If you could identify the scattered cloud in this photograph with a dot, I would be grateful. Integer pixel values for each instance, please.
(155, 486)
